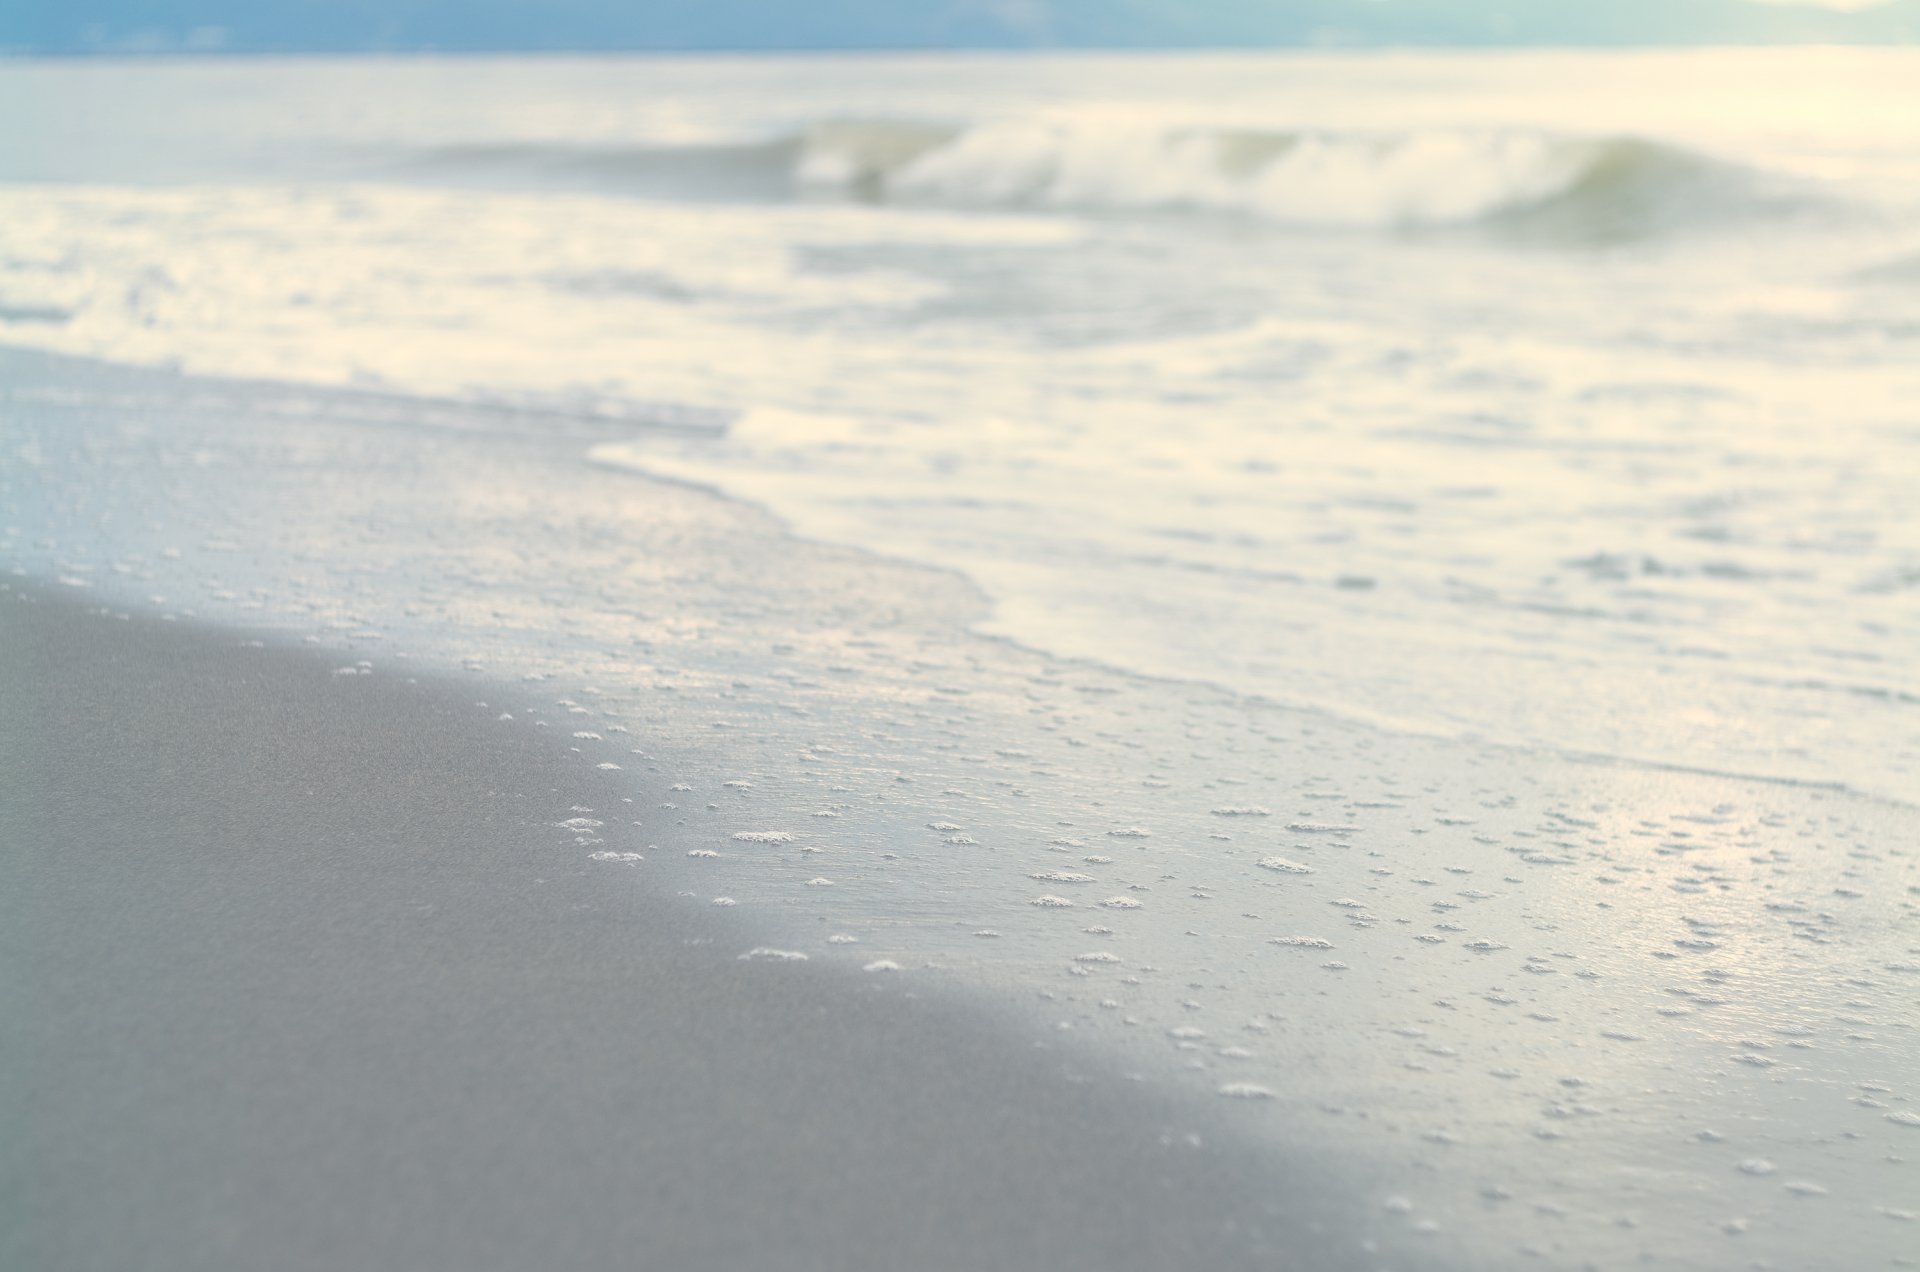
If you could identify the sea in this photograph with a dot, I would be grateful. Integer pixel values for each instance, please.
(1381, 586)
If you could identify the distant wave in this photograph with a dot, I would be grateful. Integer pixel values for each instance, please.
(1525, 182)
(755, 171)
(1902, 271)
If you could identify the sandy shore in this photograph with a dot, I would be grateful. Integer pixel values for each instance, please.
(297, 977)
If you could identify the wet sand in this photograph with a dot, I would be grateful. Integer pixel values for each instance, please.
(298, 975)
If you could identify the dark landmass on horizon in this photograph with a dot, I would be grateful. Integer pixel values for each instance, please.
(500, 26)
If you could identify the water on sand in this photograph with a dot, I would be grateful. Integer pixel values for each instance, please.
(1381, 586)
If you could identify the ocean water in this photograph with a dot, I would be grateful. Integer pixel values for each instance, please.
(1386, 587)
(1560, 400)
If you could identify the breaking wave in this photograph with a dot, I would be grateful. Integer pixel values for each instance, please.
(1524, 181)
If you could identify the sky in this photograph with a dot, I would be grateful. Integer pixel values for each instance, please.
(269, 26)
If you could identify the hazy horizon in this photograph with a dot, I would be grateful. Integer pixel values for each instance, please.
(587, 26)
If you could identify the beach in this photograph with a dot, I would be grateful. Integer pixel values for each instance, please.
(304, 971)
(301, 914)
(1290, 660)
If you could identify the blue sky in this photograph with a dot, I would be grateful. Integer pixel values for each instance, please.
(78, 26)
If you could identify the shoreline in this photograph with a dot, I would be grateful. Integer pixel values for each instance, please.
(1493, 924)
(307, 980)
(945, 595)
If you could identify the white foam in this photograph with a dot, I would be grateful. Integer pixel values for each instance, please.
(764, 953)
(1246, 1091)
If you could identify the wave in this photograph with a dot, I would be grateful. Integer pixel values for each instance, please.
(1902, 271)
(1533, 183)
(752, 171)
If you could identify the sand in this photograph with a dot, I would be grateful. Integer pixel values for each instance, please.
(296, 976)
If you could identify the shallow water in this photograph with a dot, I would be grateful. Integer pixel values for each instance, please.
(1558, 399)
(1305, 560)
(1571, 1011)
